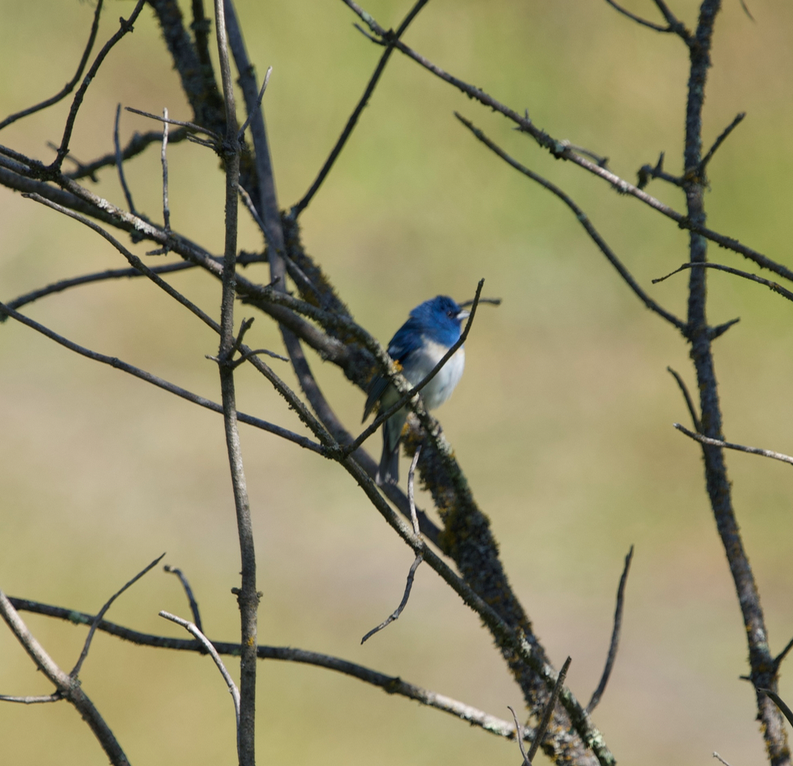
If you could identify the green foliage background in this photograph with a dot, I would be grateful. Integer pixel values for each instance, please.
(562, 422)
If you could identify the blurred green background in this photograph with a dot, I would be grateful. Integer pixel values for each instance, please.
(562, 422)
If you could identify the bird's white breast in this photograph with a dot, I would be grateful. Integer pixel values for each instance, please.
(440, 388)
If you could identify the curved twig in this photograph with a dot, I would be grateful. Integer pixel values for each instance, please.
(69, 87)
(615, 635)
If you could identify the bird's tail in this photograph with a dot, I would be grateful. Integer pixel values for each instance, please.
(388, 472)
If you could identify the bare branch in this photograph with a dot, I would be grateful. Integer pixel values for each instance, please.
(402, 604)
(562, 150)
(258, 104)
(69, 87)
(194, 630)
(702, 439)
(720, 140)
(301, 441)
(674, 24)
(646, 172)
(189, 593)
(638, 19)
(120, 163)
(101, 276)
(103, 611)
(389, 684)
(166, 210)
(416, 562)
(584, 221)
(689, 401)
(56, 697)
(66, 685)
(247, 596)
(519, 735)
(189, 125)
(719, 758)
(615, 636)
(392, 37)
(137, 144)
(777, 288)
(125, 27)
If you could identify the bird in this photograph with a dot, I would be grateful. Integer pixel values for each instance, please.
(432, 328)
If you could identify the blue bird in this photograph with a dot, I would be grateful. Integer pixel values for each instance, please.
(432, 329)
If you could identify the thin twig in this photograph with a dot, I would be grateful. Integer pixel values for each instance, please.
(56, 697)
(728, 445)
(519, 736)
(189, 125)
(402, 604)
(719, 758)
(638, 19)
(777, 288)
(258, 104)
(101, 276)
(583, 219)
(689, 401)
(137, 144)
(491, 301)
(615, 636)
(779, 702)
(124, 28)
(411, 495)
(416, 562)
(194, 630)
(546, 716)
(784, 653)
(292, 268)
(120, 163)
(189, 593)
(166, 210)
(103, 611)
(69, 87)
(264, 425)
(298, 208)
(720, 140)
(646, 172)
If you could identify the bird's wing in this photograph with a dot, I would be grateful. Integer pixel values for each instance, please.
(407, 340)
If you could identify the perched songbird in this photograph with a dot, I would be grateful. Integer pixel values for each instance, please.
(432, 329)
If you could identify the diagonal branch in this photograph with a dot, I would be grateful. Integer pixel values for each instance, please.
(298, 208)
(584, 221)
(301, 441)
(124, 28)
(69, 87)
(103, 611)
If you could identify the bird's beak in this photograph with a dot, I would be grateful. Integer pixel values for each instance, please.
(463, 315)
